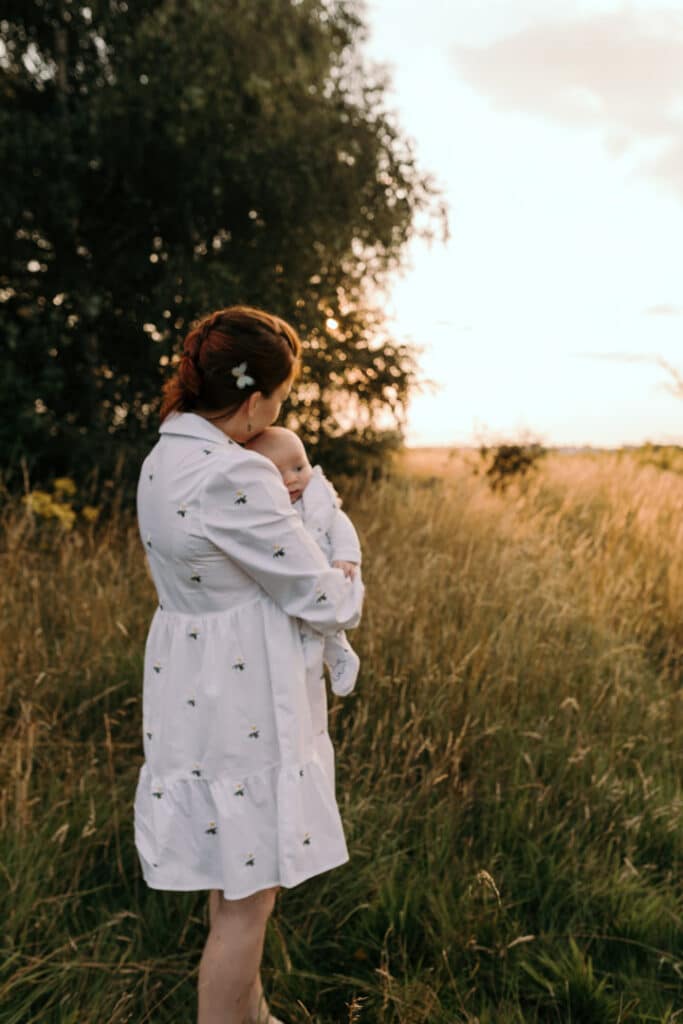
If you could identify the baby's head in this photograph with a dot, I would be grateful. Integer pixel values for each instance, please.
(287, 453)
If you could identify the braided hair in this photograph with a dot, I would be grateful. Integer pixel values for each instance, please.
(216, 347)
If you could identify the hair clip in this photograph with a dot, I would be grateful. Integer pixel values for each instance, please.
(243, 379)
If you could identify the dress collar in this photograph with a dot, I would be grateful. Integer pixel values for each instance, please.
(191, 424)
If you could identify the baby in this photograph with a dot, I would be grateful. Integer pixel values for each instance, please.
(319, 506)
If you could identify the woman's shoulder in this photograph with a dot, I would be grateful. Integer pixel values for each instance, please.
(243, 462)
(249, 479)
(199, 438)
(193, 453)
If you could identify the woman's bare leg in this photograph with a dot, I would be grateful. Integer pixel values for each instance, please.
(229, 986)
(257, 1007)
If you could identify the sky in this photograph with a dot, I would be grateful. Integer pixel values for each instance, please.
(555, 133)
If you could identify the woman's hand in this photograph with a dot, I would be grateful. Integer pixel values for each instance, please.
(349, 568)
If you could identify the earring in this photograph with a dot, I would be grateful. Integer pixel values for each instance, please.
(248, 427)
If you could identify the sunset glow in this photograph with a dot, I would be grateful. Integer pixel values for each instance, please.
(554, 132)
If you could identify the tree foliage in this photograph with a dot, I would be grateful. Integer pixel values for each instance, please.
(164, 158)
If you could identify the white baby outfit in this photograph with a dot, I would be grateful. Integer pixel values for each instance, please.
(322, 515)
(236, 791)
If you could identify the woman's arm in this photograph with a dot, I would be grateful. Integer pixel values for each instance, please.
(245, 511)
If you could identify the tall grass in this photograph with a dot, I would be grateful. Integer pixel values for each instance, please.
(508, 769)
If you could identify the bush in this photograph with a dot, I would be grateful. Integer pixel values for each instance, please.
(505, 462)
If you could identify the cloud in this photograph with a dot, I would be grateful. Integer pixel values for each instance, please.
(618, 71)
(618, 357)
(663, 309)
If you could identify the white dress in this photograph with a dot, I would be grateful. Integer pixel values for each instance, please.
(236, 791)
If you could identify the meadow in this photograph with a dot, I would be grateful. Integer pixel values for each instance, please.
(509, 767)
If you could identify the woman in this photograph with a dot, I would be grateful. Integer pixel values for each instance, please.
(236, 793)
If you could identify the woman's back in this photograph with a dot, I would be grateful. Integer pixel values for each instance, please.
(190, 573)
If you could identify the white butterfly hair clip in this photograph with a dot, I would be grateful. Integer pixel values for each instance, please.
(243, 378)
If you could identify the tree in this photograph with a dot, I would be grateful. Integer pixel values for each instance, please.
(166, 158)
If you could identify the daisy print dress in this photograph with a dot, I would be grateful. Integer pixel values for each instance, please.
(236, 791)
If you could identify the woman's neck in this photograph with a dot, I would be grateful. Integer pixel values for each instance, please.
(227, 424)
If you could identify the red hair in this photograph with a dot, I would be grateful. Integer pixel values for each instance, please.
(219, 343)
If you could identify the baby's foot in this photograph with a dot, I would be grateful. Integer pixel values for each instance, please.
(344, 672)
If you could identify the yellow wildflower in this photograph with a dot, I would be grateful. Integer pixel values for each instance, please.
(38, 502)
(65, 514)
(42, 504)
(64, 487)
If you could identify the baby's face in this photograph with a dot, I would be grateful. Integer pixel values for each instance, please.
(289, 456)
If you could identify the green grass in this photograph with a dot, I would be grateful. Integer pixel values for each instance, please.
(508, 770)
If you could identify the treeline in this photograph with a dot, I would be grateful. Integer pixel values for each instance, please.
(161, 160)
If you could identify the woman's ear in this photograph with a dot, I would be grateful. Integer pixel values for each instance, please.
(252, 402)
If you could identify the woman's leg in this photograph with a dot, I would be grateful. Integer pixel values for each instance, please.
(257, 1007)
(229, 985)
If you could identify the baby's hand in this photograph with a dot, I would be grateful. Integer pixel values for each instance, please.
(349, 568)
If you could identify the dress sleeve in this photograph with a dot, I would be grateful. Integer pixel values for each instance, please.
(247, 514)
(345, 542)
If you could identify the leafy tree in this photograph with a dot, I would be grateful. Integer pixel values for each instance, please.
(165, 158)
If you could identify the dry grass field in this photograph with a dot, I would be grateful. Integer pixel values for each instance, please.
(509, 768)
